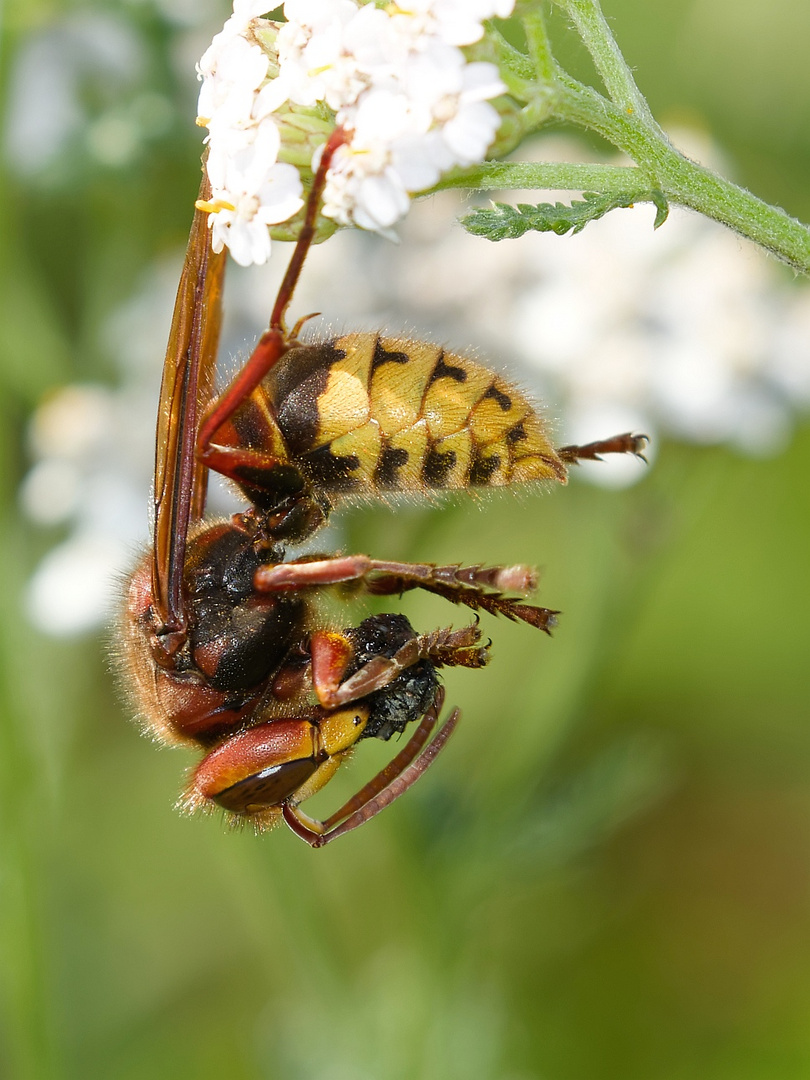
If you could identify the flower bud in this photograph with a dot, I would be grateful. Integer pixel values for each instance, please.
(512, 130)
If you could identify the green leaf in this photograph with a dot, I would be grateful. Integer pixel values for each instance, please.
(504, 222)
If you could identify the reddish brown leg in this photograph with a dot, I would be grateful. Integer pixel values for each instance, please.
(332, 653)
(272, 346)
(394, 780)
(274, 342)
(619, 444)
(238, 463)
(306, 236)
(477, 587)
(296, 575)
(409, 752)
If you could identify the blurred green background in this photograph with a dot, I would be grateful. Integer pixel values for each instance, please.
(608, 875)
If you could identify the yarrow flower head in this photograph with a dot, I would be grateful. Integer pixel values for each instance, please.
(393, 78)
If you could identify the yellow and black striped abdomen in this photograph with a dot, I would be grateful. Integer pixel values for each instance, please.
(363, 413)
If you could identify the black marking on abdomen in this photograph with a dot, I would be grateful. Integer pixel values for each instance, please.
(330, 471)
(446, 371)
(391, 461)
(386, 356)
(483, 469)
(516, 434)
(438, 465)
(502, 399)
(298, 383)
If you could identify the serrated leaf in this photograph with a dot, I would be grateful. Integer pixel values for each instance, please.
(504, 222)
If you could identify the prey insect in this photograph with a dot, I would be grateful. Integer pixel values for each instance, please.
(226, 643)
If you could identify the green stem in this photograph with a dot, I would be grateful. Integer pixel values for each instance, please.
(685, 181)
(537, 40)
(624, 119)
(596, 35)
(562, 176)
(579, 104)
(516, 69)
(690, 184)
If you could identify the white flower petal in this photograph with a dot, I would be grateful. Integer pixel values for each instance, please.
(280, 195)
(271, 97)
(470, 133)
(249, 242)
(383, 199)
(419, 161)
(481, 82)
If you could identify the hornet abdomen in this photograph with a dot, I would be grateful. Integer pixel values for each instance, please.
(363, 413)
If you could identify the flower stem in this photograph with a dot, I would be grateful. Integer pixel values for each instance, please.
(684, 181)
(562, 176)
(537, 40)
(690, 184)
(623, 118)
(596, 35)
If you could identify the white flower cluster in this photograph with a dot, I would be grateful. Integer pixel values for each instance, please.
(251, 189)
(397, 82)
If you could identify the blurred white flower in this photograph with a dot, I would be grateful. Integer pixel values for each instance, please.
(84, 476)
(92, 448)
(73, 589)
(57, 71)
(680, 327)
